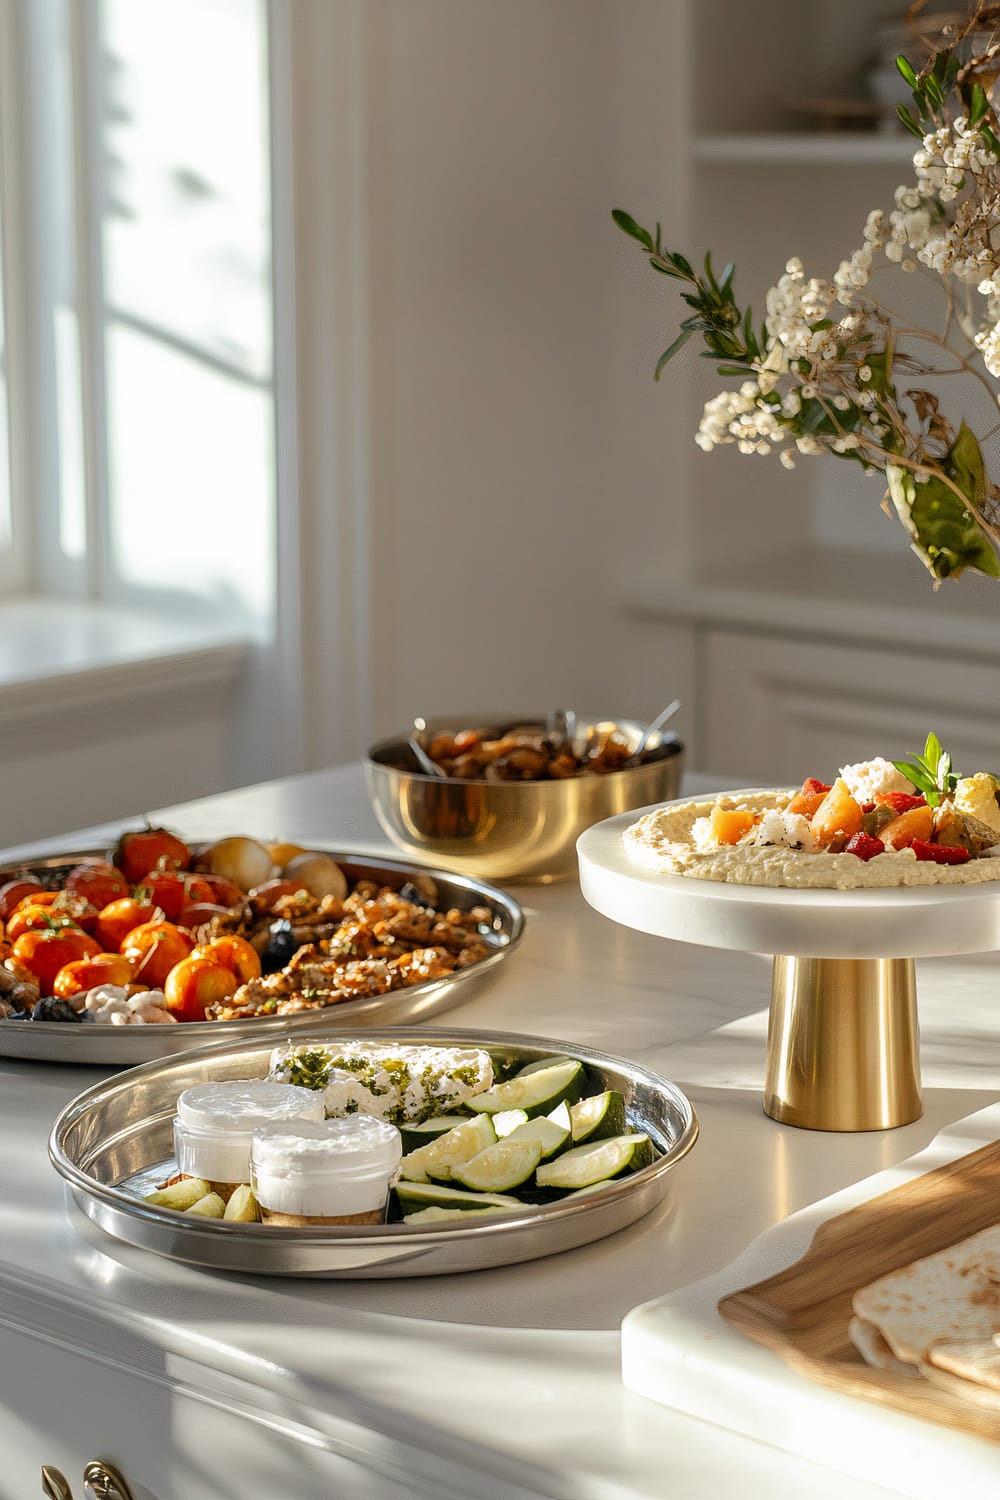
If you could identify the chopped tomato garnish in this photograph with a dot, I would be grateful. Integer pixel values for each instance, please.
(864, 845)
(941, 854)
(900, 802)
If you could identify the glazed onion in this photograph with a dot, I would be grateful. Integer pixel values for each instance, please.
(318, 874)
(244, 861)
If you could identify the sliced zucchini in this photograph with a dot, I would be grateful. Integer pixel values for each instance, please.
(536, 1093)
(500, 1168)
(506, 1120)
(429, 1130)
(550, 1135)
(597, 1118)
(540, 1063)
(596, 1161)
(456, 1145)
(456, 1215)
(415, 1195)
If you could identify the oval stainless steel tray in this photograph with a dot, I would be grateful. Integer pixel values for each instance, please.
(108, 1139)
(122, 1046)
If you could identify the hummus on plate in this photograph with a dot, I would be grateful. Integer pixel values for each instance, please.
(666, 840)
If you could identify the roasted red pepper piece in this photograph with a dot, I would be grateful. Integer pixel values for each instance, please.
(941, 854)
(864, 846)
(900, 802)
(811, 786)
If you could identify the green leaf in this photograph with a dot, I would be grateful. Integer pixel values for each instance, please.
(627, 223)
(933, 87)
(907, 70)
(668, 354)
(909, 122)
(990, 139)
(978, 104)
(944, 533)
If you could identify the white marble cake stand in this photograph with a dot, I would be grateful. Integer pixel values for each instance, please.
(843, 1039)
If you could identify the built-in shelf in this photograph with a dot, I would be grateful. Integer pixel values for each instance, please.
(845, 595)
(832, 149)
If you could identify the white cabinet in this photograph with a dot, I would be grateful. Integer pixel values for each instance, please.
(807, 708)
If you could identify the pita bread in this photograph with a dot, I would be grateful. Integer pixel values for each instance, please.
(950, 1297)
(965, 1390)
(874, 1350)
(979, 1361)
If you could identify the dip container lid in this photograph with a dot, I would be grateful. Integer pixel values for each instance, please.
(239, 1107)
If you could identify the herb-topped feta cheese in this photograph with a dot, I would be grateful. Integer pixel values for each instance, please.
(404, 1085)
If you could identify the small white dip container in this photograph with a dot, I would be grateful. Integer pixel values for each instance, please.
(325, 1172)
(215, 1121)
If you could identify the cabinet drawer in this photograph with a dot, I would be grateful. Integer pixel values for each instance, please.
(775, 710)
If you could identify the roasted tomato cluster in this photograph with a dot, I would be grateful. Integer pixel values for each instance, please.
(142, 920)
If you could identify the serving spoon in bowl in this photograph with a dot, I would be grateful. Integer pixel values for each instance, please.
(650, 730)
(424, 761)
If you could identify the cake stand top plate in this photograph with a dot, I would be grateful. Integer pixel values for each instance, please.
(899, 922)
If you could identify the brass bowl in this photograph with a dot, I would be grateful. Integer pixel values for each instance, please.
(512, 830)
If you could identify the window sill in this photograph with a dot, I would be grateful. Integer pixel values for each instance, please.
(56, 654)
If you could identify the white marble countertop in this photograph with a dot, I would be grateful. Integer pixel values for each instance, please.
(506, 1383)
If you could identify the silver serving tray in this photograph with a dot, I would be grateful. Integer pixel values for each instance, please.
(111, 1141)
(97, 1043)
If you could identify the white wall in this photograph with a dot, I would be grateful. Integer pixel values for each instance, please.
(509, 437)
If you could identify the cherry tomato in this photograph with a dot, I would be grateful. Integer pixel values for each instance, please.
(45, 952)
(84, 973)
(153, 949)
(166, 889)
(148, 849)
(99, 883)
(194, 984)
(116, 920)
(225, 892)
(37, 898)
(36, 919)
(12, 891)
(234, 953)
(199, 913)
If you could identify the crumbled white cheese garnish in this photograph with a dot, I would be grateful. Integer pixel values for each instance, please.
(700, 836)
(111, 1005)
(869, 777)
(776, 827)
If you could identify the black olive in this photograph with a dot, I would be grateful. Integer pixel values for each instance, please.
(410, 892)
(281, 947)
(52, 1008)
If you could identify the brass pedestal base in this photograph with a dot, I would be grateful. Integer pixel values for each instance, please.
(843, 1044)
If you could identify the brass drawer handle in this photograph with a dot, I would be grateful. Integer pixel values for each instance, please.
(103, 1481)
(54, 1484)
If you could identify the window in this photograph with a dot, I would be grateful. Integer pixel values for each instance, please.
(138, 386)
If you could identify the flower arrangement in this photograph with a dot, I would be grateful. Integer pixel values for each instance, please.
(829, 369)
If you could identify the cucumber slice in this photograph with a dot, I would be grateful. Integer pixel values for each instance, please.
(536, 1093)
(550, 1135)
(597, 1118)
(456, 1145)
(415, 1195)
(429, 1130)
(499, 1168)
(507, 1120)
(596, 1161)
(541, 1063)
(453, 1215)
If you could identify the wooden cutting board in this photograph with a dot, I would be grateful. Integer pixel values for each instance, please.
(802, 1313)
